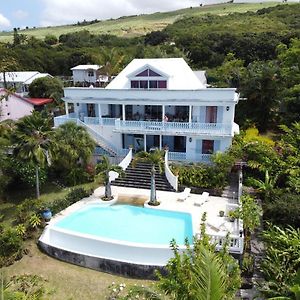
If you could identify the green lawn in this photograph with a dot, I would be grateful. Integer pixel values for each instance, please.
(142, 24)
(66, 281)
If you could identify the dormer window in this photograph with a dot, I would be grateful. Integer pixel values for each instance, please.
(148, 79)
(148, 73)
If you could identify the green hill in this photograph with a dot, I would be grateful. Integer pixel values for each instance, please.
(132, 26)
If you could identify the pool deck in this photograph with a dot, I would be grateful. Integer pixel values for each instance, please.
(216, 226)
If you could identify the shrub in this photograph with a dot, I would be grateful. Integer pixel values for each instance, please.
(26, 208)
(11, 246)
(284, 210)
(76, 194)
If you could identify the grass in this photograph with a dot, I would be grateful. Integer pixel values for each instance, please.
(139, 25)
(66, 281)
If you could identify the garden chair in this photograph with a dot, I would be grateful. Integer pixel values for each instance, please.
(184, 195)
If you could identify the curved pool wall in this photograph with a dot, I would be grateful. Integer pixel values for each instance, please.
(109, 255)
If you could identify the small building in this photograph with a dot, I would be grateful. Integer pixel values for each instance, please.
(14, 106)
(20, 81)
(87, 75)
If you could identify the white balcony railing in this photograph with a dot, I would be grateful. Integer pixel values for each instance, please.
(181, 156)
(173, 127)
(100, 121)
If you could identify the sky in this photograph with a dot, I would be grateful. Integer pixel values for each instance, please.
(22, 13)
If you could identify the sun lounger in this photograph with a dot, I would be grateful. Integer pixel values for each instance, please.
(202, 199)
(183, 195)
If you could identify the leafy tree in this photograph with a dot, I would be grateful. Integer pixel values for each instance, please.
(250, 212)
(73, 154)
(103, 169)
(33, 142)
(46, 87)
(51, 40)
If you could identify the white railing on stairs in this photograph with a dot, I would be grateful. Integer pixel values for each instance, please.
(123, 164)
(173, 179)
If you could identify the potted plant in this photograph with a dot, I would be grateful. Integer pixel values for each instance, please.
(46, 214)
(232, 215)
(221, 213)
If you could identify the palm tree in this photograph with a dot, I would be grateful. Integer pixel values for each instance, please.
(155, 158)
(77, 147)
(103, 169)
(33, 142)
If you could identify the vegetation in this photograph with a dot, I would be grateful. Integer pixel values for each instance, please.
(103, 169)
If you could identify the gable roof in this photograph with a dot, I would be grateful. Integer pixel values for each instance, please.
(33, 101)
(25, 77)
(180, 76)
(86, 67)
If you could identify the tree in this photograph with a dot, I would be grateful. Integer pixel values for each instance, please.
(46, 87)
(250, 212)
(74, 153)
(33, 142)
(103, 169)
(156, 159)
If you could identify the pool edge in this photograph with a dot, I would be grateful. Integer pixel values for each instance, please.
(102, 264)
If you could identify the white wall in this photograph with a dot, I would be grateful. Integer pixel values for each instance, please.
(14, 108)
(82, 75)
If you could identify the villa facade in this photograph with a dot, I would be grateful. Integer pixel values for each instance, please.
(156, 103)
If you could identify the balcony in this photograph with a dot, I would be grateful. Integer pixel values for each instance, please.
(153, 127)
(173, 128)
(182, 156)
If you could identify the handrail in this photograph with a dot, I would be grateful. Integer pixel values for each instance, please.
(194, 127)
(99, 139)
(123, 164)
(173, 179)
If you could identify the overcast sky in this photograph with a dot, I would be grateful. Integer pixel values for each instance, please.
(22, 13)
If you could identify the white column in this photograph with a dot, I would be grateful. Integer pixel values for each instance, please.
(163, 113)
(99, 113)
(123, 112)
(160, 142)
(190, 114)
(67, 108)
(145, 146)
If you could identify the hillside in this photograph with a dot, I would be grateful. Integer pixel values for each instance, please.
(139, 25)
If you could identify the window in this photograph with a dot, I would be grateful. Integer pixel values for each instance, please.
(143, 84)
(148, 73)
(162, 84)
(134, 84)
(153, 84)
(207, 146)
(211, 114)
(90, 73)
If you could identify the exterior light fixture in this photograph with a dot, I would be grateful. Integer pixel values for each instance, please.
(227, 108)
(190, 139)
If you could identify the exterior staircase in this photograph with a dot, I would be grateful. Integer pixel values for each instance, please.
(140, 177)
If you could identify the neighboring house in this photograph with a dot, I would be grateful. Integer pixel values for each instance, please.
(156, 103)
(20, 81)
(87, 75)
(14, 106)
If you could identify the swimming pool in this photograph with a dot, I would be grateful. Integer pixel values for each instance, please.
(120, 239)
(131, 224)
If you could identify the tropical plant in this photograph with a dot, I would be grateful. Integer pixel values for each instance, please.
(103, 169)
(250, 212)
(33, 142)
(265, 187)
(281, 263)
(156, 159)
(73, 155)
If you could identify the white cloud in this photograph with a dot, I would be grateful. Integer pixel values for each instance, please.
(20, 14)
(4, 22)
(70, 11)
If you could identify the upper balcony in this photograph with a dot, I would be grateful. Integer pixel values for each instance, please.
(155, 127)
(173, 128)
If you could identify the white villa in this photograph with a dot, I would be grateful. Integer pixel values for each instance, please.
(156, 103)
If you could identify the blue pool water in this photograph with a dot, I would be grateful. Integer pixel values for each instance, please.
(131, 223)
